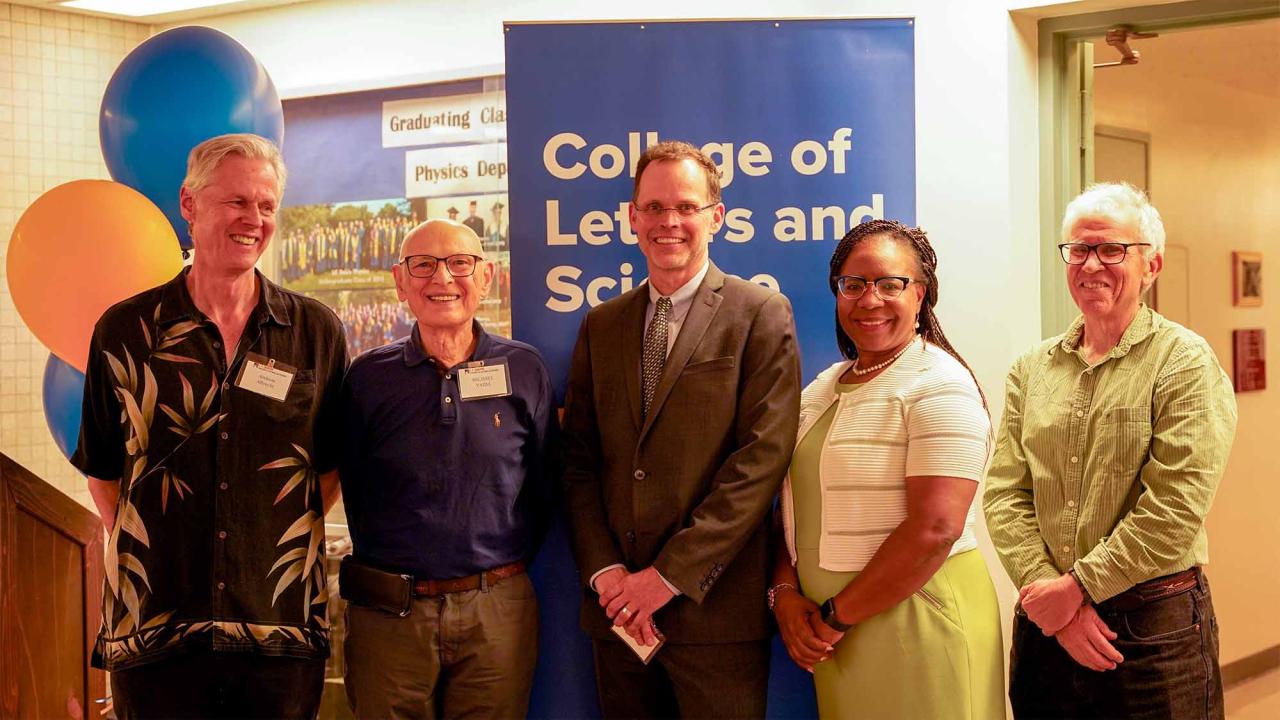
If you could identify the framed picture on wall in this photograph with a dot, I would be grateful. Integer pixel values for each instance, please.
(1249, 360)
(1246, 279)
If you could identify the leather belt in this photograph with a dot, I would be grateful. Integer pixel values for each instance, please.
(434, 588)
(1153, 590)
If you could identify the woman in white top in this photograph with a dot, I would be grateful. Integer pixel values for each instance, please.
(878, 588)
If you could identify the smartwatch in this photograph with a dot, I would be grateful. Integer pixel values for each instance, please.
(829, 617)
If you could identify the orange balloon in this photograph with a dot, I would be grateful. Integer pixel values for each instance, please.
(79, 249)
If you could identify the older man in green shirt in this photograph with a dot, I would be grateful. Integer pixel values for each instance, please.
(1114, 438)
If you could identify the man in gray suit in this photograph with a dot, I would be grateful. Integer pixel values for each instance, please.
(679, 420)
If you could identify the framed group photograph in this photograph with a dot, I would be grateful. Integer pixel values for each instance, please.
(1246, 279)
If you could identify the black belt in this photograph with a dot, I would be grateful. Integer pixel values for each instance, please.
(1153, 590)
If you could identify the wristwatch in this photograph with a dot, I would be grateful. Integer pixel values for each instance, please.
(829, 616)
(772, 596)
(1083, 590)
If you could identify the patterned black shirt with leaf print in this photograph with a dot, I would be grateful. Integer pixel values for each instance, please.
(219, 533)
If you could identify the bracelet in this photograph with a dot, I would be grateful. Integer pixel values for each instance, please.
(771, 597)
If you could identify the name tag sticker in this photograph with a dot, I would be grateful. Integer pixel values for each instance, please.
(266, 377)
(481, 379)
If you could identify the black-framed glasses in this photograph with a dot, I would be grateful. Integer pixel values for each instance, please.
(458, 265)
(1109, 253)
(852, 287)
(654, 210)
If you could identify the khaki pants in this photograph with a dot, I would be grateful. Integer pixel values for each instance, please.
(468, 654)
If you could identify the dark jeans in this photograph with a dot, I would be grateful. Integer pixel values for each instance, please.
(1170, 669)
(219, 685)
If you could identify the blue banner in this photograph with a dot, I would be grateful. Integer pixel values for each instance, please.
(812, 123)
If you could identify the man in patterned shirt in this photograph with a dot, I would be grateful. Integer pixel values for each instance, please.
(1115, 436)
(209, 439)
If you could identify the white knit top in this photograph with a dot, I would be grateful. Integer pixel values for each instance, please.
(922, 416)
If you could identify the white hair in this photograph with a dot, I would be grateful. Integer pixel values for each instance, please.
(1120, 204)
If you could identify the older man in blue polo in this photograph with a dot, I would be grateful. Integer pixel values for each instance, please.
(447, 481)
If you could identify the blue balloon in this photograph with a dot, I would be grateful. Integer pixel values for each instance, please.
(63, 395)
(173, 92)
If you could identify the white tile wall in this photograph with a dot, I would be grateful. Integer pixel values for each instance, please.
(54, 67)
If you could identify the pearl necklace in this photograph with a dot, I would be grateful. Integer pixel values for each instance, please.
(863, 371)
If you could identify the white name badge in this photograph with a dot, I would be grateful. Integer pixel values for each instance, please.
(266, 376)
(484, 379)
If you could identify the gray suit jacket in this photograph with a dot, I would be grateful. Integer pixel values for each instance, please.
(687, 489)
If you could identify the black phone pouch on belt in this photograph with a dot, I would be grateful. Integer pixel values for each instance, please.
(373, 588)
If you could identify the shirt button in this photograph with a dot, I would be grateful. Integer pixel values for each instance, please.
(222, 486)
(639, 475)
(217, 344)
(1075, 459)
(222, 586)
(224, 436)
(631, 536)
(448, 400)
(226, 386)
(448, 376)
(1079, 413)
(1071, 503)
(1066, 549)
(222, 534)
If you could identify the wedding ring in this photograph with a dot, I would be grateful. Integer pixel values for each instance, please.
(625, 611)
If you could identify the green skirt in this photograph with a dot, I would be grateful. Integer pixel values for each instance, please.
(937, 654)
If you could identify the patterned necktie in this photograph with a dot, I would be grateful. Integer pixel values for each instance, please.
(655, 351)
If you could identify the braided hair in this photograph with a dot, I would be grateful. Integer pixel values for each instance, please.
(926, 322)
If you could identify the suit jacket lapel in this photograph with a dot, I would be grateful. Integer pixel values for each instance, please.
(705, 304)
(631, 339)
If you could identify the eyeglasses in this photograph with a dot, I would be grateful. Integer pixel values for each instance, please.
(1108, 253)
(425, 266)
(654, 210)
(852, 287)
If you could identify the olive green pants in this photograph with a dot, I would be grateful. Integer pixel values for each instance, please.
(462, 655)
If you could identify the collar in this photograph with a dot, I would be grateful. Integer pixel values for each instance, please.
(1143, 326)
(414, 355)
(176, 303)
(685, 292)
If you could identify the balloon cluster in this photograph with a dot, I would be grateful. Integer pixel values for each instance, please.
(88, 244)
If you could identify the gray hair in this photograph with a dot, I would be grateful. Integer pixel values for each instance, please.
(205, 158)
(1120, 204)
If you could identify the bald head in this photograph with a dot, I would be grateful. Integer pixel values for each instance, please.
(441, 238)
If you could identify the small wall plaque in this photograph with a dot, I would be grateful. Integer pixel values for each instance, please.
(1250, 365)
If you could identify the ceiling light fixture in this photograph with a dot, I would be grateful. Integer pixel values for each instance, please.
(142, 8)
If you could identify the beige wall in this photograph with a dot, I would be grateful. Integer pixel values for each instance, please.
(54, 68)
(1210, 100)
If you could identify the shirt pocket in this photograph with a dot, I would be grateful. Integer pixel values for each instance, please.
(1125, 440)
(297, 404)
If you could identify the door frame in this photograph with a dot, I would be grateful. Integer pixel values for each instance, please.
(1064, 76)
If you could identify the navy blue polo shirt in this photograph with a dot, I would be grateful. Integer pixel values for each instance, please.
(438, 486)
